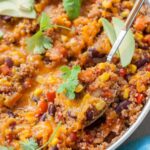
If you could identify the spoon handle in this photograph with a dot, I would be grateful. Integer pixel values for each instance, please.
(138, 4)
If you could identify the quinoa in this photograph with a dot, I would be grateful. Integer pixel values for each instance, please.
(28, 81)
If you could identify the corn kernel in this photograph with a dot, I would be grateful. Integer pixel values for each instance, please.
(52, 80)
(40, 79)
(125, 13)
(54, 141)
(100, 22)
(138, 36)
(64, 38)
(126, 93)
(140, 87)
(100, 105)
(107, 4)
(101, 66)
(38, 92)
(115, 1)
(132, 68)
(104, 77)
(79, 88)
(4, 81)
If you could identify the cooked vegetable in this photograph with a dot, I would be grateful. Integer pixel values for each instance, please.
(126, 49)
(51, 96)
(72, 7)
(52, 136)
(30, 144)
(140, 98)
(15, 8)
(71, 81)
(42, 106)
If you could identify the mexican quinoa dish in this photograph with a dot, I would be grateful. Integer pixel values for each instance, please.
(54, 77)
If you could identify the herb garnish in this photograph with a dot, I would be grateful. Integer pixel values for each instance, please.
(18, 8)
(39, 42)
(71, 81)
(72, 7)
(6, 148)
(30, 144)
(127, 47)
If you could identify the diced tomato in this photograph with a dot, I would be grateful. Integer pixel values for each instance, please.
(28, 83)
(51, 96)
(9, 138)
(107, 93)
(148, 67)
(73, 136)
(147, 39)
(139, 98)
(141, 22)
(122, 72)
(60, 116)
(4, 69)
(42, 107)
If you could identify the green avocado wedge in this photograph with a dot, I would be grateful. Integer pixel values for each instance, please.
(18, 8)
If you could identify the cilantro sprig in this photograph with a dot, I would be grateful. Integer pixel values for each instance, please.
(31, 144)
(39, 42)
(71, 81)
(52, 136)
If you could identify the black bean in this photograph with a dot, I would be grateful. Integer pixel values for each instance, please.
(47, 60)
(7, 18)
(35, 99)
(52, 109)
(93, 53)
(11, 114)
(9, 62)
(89, 114)
(43, 117)
(122, 105)
(142, 62)
(72, 115)
(110, 136)
(54, 148)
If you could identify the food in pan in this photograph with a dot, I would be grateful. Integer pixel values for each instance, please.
(54, 78)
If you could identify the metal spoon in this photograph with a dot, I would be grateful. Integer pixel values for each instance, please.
(116, 45)
(129, 22)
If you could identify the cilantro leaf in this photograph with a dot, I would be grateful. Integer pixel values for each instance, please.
(6, 148)
(71, 81)
(38, 43)
(30, 144)
(45, 22)
(72, 7)
(66, 72)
